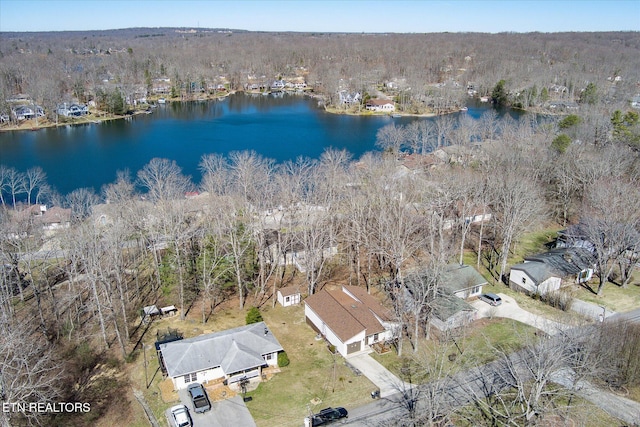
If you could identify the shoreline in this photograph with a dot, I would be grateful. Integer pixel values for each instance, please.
(29, 125)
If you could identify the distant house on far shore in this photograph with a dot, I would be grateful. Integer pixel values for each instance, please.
(380, 105)
(72, 110)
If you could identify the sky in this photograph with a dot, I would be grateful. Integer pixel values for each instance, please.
(416, 16)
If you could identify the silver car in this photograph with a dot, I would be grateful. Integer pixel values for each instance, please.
(181, 416)
(491, 299)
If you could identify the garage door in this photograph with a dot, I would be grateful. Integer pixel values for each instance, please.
(353, 347)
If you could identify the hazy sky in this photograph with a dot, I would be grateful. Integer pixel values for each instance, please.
(417, 16)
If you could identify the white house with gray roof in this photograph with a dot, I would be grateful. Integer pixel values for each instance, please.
(227, 355)
(543, 273)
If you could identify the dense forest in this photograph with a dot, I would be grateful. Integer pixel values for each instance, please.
(71, 296)
(433, 71)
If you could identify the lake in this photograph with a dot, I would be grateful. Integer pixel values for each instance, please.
(279, 128)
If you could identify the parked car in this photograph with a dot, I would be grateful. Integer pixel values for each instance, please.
(199, 398)
(491, 299)
(181, 416)
(329, 415)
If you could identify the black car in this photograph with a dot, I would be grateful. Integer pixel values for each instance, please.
(328, 415)
(199, 398)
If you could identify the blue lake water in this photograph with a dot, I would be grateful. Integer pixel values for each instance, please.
(279, 128)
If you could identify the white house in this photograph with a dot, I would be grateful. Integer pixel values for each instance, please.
(288, 249)
(222, 356)
(451, 312)
(463, 281)
(72, 110)
(24, 112)
(545, 272)
(350, 319)
(289, 295)
(349, 98)
(449, 308)
(380, 105)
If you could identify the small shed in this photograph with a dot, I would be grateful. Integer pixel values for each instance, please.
(149, 313)
(289, 295)
(169, 310)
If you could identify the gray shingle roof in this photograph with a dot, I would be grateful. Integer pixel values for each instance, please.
(233, 350)
(559, 262)
(445, 306)
(459, 277)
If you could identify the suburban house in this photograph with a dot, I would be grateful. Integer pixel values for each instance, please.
(52, 218)
(277, 84)
(289, 295)
(463, 281)
(349, 98)
(24, 112)
(543, 273)
(349, 319)
(383, 105)
(226, 356)
(56, 218)
(449, 308)
(72, 110)
(289, 249)
(450, 312)
(418, 162)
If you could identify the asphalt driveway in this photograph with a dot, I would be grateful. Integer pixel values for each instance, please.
(225, 413)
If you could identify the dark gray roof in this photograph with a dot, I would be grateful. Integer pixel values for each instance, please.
(458, 277)
(559, 262)
(538, 271)
(567, 261)
(233, 350)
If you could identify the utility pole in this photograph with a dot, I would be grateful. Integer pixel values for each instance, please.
(146, 378)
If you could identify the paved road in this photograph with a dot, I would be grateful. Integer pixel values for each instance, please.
(629, 316)
(590, 310)
(617, 406)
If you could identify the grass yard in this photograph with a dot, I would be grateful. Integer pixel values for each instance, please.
(525, 302)
(613, 296)
(313, 375)
(470, 349)
(224, 318)
(582, 413)
(532, 243)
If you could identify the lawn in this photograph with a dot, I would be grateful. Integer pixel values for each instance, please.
(581, 413)
(314, 379)
(472, 348)
(613, 296)
(225, 318)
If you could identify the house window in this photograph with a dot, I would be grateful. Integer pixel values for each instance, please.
(189, 378)
(375, 337)
(286, 299)
(475, 290)
(268, 356)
